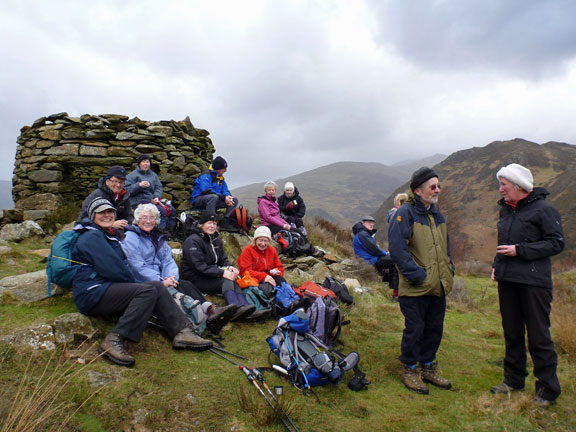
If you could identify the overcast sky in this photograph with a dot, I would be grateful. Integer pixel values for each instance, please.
(287, 86)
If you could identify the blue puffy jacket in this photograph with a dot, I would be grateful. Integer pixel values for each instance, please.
(149, 255)
(209, 182)
(106, 264)
(365, 245)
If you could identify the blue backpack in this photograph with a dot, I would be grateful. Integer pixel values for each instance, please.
(285, 295)
(60, 267)
(306, 360)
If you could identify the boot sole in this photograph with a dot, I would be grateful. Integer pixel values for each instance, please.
(422, 392)
(215, 324)
(116, 359)
(203, 347)
(445, 387)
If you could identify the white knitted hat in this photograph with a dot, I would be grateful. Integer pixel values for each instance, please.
(518, 175)
(262, 231)
(289, 185)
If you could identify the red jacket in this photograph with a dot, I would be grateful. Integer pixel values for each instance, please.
(259, 263)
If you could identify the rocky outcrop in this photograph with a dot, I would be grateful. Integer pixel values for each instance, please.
(59, 159)
(20, 231)
(28, 287)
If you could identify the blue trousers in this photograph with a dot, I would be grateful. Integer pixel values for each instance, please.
(423, 328)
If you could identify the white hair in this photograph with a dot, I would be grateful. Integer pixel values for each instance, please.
(270, 183)
(146, 208)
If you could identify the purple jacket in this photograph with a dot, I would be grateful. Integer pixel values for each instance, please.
(269, 211)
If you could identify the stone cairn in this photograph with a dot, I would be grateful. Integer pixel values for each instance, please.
(59, 159)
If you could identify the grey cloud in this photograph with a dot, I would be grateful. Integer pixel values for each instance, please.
(527, 38)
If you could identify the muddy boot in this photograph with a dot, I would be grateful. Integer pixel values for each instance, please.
(219, 316)
(413, 381)
(431, 375)
(243, 312)
(113, 347)
(187, 338)
(504, 388)
(259, 315)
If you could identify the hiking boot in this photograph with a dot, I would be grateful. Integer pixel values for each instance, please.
(504, 388)
(316, 252)
(259, 315)
(242, 312)
(431, 375)
(413, 381)
(542, 403)
(219, 316)
(187, 338)
(113, 347)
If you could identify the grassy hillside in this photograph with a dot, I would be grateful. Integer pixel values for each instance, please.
(340, 192)
(470, 193)
(186, 391)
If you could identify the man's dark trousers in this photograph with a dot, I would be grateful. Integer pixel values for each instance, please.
(423, 328)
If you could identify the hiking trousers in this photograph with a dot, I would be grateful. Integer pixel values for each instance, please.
(423, 328)
(211, 202)
(136, 303)
(526, 309)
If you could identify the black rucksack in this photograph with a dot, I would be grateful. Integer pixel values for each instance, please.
(184, 227)
(241, 219)
(293, 242)
(338, 287)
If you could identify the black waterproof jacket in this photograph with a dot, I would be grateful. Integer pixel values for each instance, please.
(298, 208)
(203, 257)
(121, 202)
(535, 227)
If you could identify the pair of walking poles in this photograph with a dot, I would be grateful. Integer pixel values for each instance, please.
(254, 376)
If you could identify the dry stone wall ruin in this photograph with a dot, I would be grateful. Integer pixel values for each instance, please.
(60, 158)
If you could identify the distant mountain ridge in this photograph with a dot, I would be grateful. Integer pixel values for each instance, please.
(470, 193)
(340, 192)
(6, 195)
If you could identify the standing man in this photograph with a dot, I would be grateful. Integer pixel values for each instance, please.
(111, 187)
(419, 247)
(211, 191)
(529, 233)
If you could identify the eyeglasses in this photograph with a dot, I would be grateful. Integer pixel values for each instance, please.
(147, 218)
(117, 182)
(435, 187)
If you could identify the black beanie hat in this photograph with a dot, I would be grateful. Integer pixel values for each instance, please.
(420, 176)
(207, 216)
(219, 163)
(142, 157)
(116, 171)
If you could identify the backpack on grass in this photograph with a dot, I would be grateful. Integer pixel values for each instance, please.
(338, 288)
(313, 290)
(191, 308)
(60, 267)
(306, 360)
(325, 320)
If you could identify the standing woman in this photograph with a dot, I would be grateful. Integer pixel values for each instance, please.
(105, 286)
(150, 258)
(529, 233)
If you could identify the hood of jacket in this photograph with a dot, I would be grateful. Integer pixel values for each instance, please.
(358, 226)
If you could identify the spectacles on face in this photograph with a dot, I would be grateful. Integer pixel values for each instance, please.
(116, 182)
(147, 218)
(435, 187)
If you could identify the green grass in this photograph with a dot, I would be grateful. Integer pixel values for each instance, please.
(182, 390)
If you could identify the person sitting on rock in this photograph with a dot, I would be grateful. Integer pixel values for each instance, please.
(211, 192)
(206, 265)
(365, 247)
(145, 187)
(105, 286)
(150, 258)
(270, 217)
(111, 188)
(292, 207)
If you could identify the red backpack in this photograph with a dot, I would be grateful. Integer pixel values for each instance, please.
(313, 290)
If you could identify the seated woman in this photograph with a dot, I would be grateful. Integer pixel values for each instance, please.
(145, 187)
(292, 207)
(271, 218)
(206, 265)
(151, 259)
(106, 286)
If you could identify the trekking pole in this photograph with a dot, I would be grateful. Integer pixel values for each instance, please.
(229, 352)
(260, 376)
(286, 420)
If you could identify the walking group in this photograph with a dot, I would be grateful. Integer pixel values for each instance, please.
(128, 269)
